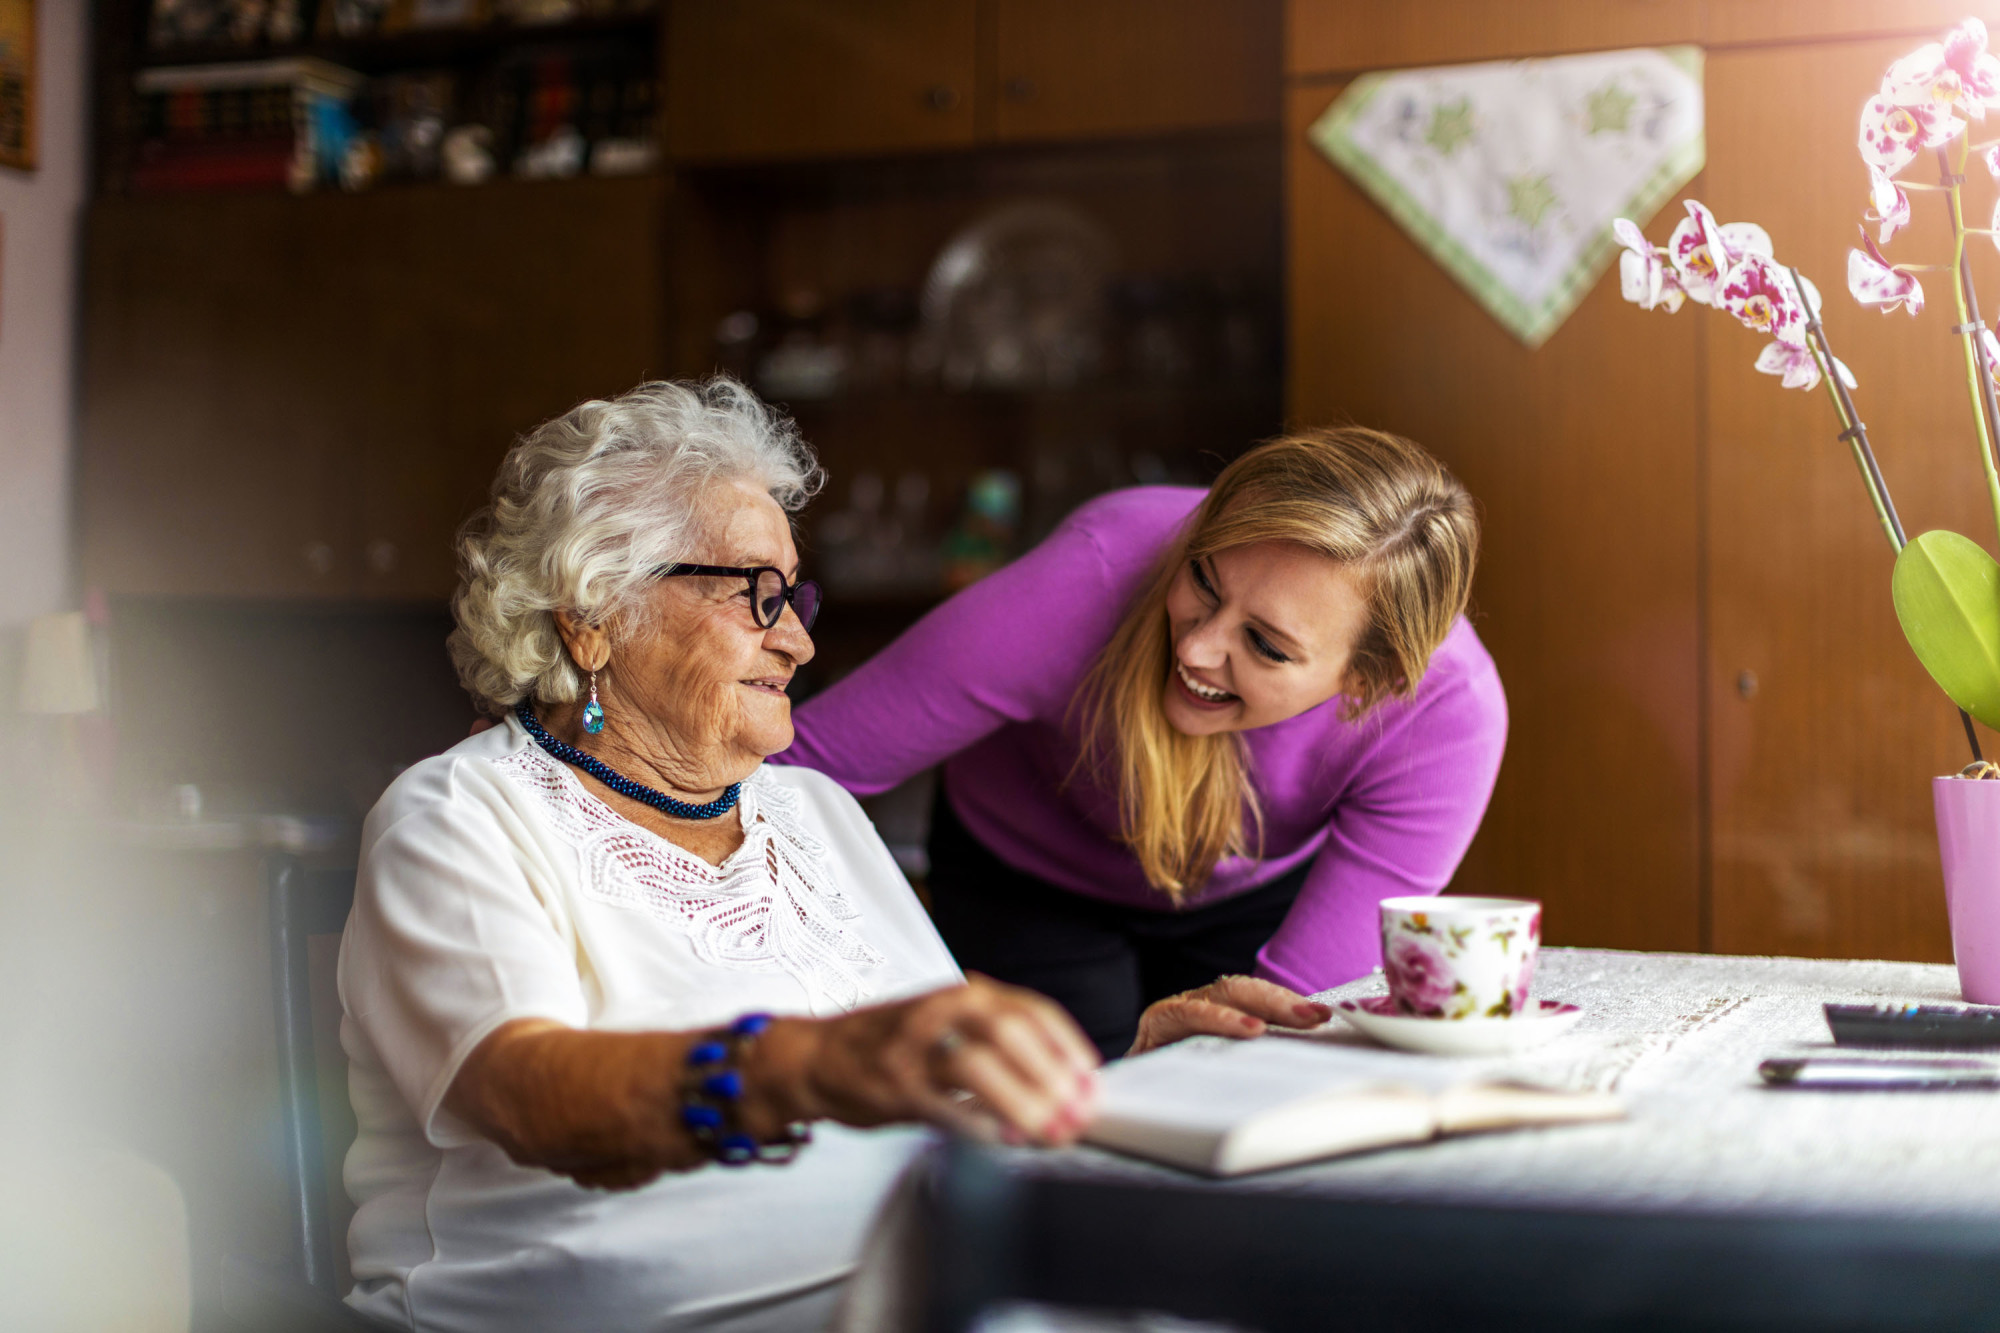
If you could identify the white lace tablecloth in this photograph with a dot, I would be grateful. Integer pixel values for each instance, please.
(1679, 1037)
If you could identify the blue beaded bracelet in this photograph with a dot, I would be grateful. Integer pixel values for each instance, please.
(712, 1095)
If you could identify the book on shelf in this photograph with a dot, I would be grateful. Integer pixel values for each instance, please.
(243, 123)
(1228, 1108)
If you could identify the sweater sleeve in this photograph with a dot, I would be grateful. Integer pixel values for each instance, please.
(1010, 648)
(1401, 829)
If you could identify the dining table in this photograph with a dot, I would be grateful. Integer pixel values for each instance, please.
(1716, 1202)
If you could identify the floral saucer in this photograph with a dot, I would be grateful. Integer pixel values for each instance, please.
(1544, 1021)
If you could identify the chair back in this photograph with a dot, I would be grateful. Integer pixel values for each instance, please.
(309, 902)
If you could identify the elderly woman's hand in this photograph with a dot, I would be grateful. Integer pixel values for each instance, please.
(1226, 1007)
(603, 1108)
(984, 1058)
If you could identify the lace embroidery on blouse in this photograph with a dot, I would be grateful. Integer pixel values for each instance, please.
(772, 905)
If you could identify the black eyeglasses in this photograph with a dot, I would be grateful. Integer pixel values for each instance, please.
(770, 591)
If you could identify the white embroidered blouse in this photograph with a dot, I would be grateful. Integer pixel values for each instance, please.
(494, 886)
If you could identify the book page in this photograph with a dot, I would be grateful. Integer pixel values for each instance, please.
(1213, 1084)
(1473, 1107)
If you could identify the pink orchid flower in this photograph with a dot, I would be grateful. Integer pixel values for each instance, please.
(1873, 280)
(1761, 295)
(1955, 75)
(1643, 278)
(1892, 135)
(1991, 345)
(1991, 157)
(1798, 367)
(1891, 204)
(1703, 252)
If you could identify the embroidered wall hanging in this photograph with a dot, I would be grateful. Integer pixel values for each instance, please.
(1509, 173)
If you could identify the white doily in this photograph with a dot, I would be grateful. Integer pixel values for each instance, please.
(1509, 173)
(771, 906)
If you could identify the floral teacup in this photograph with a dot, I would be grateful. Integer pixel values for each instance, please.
(1460, 957)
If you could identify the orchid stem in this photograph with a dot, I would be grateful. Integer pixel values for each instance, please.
(1978, 374)
(1856, 435)
(1853, 431)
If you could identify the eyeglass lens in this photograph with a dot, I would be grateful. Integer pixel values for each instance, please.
(770, 597)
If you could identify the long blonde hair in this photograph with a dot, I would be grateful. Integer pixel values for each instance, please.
(1376, 503)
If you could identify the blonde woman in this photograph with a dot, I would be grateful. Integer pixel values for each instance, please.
(1194, 733)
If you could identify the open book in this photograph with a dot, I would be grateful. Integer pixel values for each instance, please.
(1225, 1107)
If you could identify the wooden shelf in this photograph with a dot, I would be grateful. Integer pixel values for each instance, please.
(1181, 395)
(427, 46)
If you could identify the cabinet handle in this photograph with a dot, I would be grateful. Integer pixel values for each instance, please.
(1020, 90)
(1746, 683)
(939, 97)
(381, 556)
(319, 558)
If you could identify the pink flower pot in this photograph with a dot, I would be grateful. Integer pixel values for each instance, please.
(1968, 819)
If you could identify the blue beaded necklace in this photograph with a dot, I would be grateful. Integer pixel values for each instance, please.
(624, 786)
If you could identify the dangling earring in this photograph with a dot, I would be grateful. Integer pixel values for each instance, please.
(593, 712)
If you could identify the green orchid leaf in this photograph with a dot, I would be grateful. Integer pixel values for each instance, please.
(1947, 592)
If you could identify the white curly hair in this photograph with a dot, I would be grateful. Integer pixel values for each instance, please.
(586, 507)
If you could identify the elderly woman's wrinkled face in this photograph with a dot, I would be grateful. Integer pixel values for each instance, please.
(708, 677)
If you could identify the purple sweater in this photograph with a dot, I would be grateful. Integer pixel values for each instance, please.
(983, 684)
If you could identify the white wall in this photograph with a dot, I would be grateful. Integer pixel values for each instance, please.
(39, 221)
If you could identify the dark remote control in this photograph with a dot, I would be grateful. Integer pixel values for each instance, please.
(1962, 1026)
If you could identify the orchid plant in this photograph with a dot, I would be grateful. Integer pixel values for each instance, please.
(1946, 587)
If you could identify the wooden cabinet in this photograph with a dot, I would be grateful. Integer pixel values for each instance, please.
(302, 397)
(749, 79)
(1064, 69)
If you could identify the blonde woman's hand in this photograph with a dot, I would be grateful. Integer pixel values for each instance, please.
(1226, 1007)
(984, 1058)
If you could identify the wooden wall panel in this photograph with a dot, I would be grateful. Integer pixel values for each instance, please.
(1742, 21)
(1584, 456)
(1328, 37)
(1823, 834)
(1343, 36)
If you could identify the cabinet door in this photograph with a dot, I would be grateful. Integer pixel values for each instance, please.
(207, 464)
(484, 313)
(750, 79)
(1080, 68)
(1585, 458)
(305, 397)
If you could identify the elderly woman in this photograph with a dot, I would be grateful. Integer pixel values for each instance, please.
(602, 947)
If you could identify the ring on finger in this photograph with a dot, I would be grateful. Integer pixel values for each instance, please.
(947, 1043)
